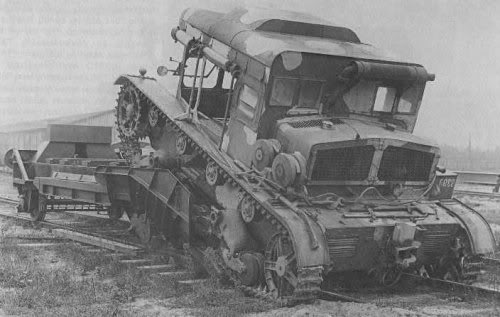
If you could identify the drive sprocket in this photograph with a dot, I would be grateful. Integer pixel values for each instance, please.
(132, 113)
(131, 121)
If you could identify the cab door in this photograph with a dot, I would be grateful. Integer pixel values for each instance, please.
(242, 129)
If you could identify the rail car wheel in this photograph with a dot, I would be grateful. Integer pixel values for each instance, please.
(22, 206)
(280, 266)
(37, 205)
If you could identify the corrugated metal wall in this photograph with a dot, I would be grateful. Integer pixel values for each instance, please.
(23, 137)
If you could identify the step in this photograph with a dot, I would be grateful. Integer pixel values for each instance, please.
(156, 268)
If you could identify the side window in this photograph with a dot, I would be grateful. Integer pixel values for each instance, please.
(211, 73)
(226, 82)
(384, 99)
(405, 106)
(248, 101)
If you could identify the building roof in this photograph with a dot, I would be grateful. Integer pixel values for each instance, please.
(42, 124)
(265, 34)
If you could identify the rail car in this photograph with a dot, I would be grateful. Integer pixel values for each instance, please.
(287, 151)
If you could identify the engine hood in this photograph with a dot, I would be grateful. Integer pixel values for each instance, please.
(302, 135)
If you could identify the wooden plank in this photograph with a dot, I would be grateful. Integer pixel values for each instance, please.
(97, 241)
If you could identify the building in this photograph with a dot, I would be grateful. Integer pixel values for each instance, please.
(28, 135)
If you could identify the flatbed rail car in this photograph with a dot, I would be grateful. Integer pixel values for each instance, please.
(288, 150)
(61, 172)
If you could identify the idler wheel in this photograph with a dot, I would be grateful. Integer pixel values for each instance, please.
(280, 266)
(254, 267)
(131, 114)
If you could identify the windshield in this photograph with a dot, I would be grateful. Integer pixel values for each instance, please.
(373, 97)
(365, 97)
(294, 92)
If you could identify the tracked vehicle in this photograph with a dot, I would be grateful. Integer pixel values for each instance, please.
(287, 158)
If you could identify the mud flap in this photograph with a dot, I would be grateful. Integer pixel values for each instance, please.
(477, 228)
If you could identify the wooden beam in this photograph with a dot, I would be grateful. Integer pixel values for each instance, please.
(97, 241)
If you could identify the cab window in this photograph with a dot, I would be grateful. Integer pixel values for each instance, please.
(309, 94)
(295, 92)
(384, 99)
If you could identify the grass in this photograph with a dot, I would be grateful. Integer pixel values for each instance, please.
(66, 280)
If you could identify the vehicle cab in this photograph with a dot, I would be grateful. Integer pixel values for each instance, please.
(311, 87)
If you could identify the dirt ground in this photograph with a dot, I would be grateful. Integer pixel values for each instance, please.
(66, 280)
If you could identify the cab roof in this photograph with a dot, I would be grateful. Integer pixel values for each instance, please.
(266, 34)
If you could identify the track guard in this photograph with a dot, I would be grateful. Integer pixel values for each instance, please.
(477, 228)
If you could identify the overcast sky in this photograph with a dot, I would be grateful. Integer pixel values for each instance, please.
(61, 57)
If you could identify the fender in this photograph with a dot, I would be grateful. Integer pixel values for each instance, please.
(477, 228)
(162, 98)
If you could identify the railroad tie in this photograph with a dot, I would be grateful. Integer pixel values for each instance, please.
(156, 268)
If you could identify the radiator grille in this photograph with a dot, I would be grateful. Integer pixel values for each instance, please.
(436, 243)
(340, 248)
(350, 163)
(312, 123)
(401, 164)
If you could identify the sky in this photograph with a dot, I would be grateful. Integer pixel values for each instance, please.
(61, 57)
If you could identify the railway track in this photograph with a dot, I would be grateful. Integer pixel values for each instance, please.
(472, 193)
(105, 236)
(111, 237)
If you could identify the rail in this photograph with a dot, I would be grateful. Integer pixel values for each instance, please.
(478, 178)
